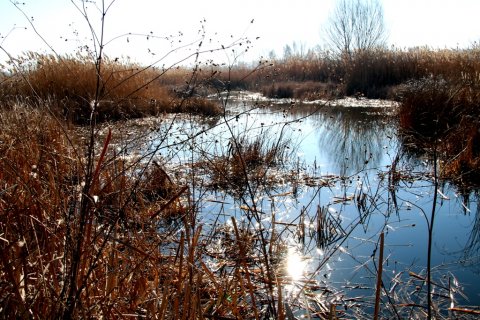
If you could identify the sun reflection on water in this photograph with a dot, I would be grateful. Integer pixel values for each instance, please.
(296, 264)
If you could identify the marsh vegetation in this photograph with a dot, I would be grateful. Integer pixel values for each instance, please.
(278, 190)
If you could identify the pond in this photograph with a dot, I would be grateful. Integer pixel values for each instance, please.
(345, 178)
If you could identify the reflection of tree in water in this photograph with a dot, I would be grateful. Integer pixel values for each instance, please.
(353, 137)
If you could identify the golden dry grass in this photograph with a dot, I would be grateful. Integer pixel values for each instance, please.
(441, 111)
(127, 245)
(41, 173)
(125, 90)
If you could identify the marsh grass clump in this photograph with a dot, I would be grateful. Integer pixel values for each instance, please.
(372, 73)
(428, 107)
(38, 169)
(247, 162)
(462, 160)
(38, 161)
(279, 91)
(308, 90)
(196, 106)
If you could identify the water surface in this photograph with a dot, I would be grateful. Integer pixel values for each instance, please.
(353, 148)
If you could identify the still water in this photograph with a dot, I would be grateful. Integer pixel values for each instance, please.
(341, 158)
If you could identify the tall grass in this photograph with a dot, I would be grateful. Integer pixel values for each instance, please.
(442, 110)
(68, 83)
(374, 73)
(42, 174)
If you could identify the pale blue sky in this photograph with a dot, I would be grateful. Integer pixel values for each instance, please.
(434, 23)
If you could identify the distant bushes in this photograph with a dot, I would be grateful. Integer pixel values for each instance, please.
(279, 90)
(129, 90)
(308, 90)
(373, 74)
(314, 68)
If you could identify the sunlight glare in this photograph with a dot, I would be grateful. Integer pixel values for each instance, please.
(320, 252)
(295, 264)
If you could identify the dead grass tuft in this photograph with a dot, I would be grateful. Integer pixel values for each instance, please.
(246, 162)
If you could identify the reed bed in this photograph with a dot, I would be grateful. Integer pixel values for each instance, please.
(305, 91)
(440, 112)
(373, 74)
(126, 90)
(131, 90)
(42, 179)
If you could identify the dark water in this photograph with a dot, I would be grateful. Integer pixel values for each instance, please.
(354, 149)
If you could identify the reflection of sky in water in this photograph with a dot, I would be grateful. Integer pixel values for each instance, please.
(355, 143)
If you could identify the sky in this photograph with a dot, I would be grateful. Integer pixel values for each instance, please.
(268, 25)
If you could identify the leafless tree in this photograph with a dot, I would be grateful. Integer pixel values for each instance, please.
(356, 25)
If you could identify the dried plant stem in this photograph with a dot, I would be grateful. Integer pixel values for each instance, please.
(430, 234)
(245, 267)
(379, 277)
(463, 310)
(280, 312)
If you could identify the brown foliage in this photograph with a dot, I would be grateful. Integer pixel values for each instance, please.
(133, 258)
(68, 83)
(441, 112)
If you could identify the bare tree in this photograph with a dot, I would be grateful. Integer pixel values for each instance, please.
(356, 25)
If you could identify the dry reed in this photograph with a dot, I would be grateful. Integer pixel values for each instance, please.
(127, 90)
